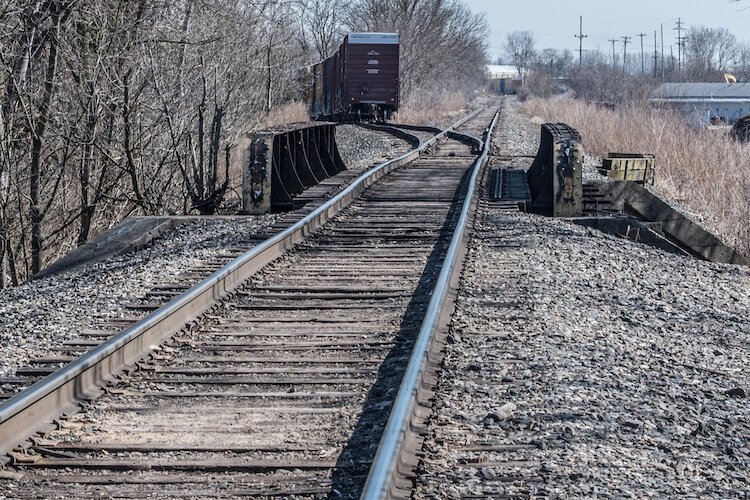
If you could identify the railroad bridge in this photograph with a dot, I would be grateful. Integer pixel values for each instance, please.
(478, 315)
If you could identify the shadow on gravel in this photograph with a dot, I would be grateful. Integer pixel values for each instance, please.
(353, 464)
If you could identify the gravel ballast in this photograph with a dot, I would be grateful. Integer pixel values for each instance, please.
(42, 314)
(584, 365)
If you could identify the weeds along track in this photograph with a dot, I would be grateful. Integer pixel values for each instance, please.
(282, 387)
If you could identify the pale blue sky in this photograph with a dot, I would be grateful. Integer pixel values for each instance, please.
(555, 22)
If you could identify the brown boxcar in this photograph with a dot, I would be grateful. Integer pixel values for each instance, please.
(360, 80)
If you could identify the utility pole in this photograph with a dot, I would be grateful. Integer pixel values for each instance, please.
(625, 53)
(614, 41)
(643, 58)
(663, 74)
(671, 58)
(656, 56)
(580, 37)
(683, 45)
(679, 29)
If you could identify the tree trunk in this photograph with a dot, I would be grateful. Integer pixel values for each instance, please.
(269, 79)
(35, 212)
(88, 81)
(128, 145)
(3, 245)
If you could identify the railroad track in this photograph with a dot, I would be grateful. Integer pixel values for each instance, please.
(464, 455)
(285, 382)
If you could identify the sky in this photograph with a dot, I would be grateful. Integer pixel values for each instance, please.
(555, 22)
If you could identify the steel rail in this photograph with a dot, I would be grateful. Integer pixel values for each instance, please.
(388, 465)
(35, 408)
(397, 129)
(428, 128)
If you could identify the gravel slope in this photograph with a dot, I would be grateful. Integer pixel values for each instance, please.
(610, 369)
(46, 312)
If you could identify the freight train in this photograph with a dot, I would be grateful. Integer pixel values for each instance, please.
(358, 82)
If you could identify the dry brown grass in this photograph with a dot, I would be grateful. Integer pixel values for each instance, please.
(293, 112)
(702, 169)
(429, 108)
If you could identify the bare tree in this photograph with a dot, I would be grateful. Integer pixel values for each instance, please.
(42, 25)
(742, 62)
(709, 52)
(550, 67)
(442, 42)
(520, 50)
(110, 108)
(599, 81)
(726, 48)
(322, 24)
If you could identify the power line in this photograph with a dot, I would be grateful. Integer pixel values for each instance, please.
(580, 37)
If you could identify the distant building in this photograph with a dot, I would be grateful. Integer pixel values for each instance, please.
(706, 103)
(502, 78)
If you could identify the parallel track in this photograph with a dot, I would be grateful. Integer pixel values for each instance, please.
(283, 387)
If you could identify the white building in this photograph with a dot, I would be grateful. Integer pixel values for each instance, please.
(503, 78)
(706, 103)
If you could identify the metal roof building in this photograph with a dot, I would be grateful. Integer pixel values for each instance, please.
(706, 103)
(502, 78)
(502, 71)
